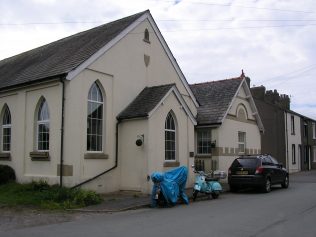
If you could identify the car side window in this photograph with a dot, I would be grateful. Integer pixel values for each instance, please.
(274, 161)
(266, 161)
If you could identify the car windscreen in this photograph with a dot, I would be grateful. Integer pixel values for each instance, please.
(245, 162)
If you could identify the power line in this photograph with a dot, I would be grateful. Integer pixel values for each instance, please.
(242, 6)
(164, 20)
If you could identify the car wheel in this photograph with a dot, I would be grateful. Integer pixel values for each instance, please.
(194, 195)
(233, 189)
(215, 195)
(286, 182)
(267, 186)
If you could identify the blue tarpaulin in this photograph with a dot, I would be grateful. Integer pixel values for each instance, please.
(172, 184)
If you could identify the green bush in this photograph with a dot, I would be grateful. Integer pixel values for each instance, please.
(42, 195)
(7, 174)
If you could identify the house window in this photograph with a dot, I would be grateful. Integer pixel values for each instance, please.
(305, 129)
(293, 154)
(146, 36)
(292, 125)
(43, 126)
(242, 142)
(170, 138)
(314, 131)
(204, 141)
(6, 130)
(95, 119)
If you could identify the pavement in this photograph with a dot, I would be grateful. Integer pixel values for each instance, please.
(130, 200)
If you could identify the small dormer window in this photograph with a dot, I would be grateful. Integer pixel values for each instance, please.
(146, 36)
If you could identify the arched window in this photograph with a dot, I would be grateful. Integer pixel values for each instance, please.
(95, 119)
(6, 130)
(170, 138)
(146, 36)
(43, 126)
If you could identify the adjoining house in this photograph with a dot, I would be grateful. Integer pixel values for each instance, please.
(228, 123)
(289, 136)
(103, 108)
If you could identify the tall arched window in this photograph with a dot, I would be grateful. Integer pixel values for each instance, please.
(170, 138)
(95, 119)
(43, 126)
(6, 130)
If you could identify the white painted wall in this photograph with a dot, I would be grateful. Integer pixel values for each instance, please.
(22, 104)
(293, 139)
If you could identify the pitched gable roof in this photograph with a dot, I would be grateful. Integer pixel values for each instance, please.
(148, 100)
(215, 98)
(62, 56)
(145, 102)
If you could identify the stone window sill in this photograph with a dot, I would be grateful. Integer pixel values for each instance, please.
(171, 164)
(5, 156)
(96, 156)
(40, 156)
(146, 40)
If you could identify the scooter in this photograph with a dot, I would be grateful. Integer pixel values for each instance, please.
(208, 183)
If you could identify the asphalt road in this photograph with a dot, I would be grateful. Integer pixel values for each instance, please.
(290, 212)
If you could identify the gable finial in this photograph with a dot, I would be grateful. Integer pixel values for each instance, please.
(242, 73)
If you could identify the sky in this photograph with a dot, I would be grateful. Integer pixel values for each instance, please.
(273, 41)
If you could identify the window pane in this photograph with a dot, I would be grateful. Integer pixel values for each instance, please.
(204, 141)
(95, 119)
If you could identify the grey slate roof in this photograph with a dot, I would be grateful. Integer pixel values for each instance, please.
(214, 98)
(60, 57)
(145, 102)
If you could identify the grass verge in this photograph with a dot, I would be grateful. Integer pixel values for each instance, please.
(41, 195)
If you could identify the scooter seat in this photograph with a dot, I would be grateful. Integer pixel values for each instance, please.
(211, 179)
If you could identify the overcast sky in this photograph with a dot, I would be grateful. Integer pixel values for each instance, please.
(274, 41)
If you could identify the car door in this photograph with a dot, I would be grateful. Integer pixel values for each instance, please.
(277, 170)
(269, 169)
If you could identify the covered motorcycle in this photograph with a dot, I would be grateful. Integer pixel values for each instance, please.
(169, 187)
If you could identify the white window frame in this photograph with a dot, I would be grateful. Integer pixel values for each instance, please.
(98, 102)
(314, 131)
(42, 122)
(207, 139)
(6, 126)
(242, 143)
(174, 131)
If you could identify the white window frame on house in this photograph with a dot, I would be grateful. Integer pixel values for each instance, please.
(42, 126)
(6, 130)
(95, 121)
(204, 141)
(293, 154)
(241, 142)
(292, 125)
(314, 131)
(170, 138)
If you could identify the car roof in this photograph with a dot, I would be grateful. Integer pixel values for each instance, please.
(252, 156)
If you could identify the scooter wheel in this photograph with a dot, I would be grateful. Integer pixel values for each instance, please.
(194, 195)
(215, 195)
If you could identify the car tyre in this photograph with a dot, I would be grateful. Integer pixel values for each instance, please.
(286, 182)
(267, 186)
